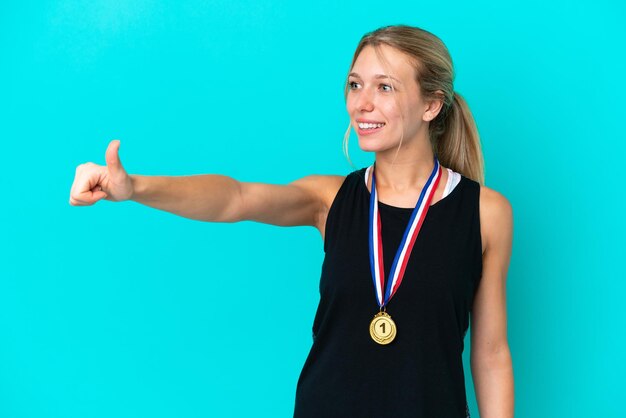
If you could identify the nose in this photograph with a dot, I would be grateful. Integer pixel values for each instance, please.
(364, 101)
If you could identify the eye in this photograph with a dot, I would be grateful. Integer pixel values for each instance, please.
(385, 87)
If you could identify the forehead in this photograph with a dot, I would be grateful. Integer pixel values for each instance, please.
(396, 63)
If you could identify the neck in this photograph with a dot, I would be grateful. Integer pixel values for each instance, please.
(409, 170)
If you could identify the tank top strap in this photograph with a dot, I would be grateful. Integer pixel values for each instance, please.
(343, 207)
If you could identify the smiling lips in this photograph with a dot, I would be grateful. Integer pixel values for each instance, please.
(366, 127)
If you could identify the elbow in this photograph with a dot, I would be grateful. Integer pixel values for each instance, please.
(497, 357)
(233, 209)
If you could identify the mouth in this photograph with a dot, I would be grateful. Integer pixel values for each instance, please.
(367, 128)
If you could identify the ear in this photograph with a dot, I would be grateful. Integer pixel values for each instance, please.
(434, 106)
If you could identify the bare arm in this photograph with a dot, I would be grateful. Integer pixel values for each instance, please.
(491, 363)
(218, 198)
(208, 197)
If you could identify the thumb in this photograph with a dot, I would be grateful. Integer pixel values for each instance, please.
(112, 157)
(99, 195)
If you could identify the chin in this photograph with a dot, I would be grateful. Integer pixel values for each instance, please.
(367, 148)
(368, 145)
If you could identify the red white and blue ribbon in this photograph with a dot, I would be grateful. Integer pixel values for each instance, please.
(406, 245)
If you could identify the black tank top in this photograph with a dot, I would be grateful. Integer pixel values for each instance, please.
(420, 373)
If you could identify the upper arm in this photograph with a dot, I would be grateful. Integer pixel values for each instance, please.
(489, 318)
(302, 202)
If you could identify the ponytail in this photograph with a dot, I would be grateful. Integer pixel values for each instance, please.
(455, 140)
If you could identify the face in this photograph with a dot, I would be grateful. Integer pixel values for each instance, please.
(371, 101)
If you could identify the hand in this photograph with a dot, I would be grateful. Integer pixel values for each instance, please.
(95, 182)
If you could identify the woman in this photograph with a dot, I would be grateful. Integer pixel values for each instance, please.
(419, 216)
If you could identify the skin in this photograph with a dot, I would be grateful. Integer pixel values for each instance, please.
(401, 171)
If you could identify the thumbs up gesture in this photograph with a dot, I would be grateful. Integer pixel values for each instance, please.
(94, 182)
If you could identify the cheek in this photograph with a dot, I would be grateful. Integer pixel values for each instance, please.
(392, 113)
(349, 105)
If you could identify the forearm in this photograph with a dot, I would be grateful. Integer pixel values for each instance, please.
(493, 384)
(205, 197)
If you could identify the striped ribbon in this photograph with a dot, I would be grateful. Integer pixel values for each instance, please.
(406, 245)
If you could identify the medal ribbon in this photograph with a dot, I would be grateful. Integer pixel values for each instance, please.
(406, 245)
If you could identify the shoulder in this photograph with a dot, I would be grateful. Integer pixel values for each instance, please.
(323, 189)
(323, 186)
(496, 217)
(494, 203)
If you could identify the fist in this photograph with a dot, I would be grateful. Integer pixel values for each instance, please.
(94, 182)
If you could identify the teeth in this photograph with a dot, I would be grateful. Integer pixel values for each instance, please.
(370, 125)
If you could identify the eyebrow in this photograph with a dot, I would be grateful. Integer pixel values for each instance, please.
(377, 76)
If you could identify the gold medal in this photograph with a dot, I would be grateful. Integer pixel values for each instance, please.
(382, 328)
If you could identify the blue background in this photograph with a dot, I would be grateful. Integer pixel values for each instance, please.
(120, 310)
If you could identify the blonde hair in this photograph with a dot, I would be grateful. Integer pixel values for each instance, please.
(453, 133)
